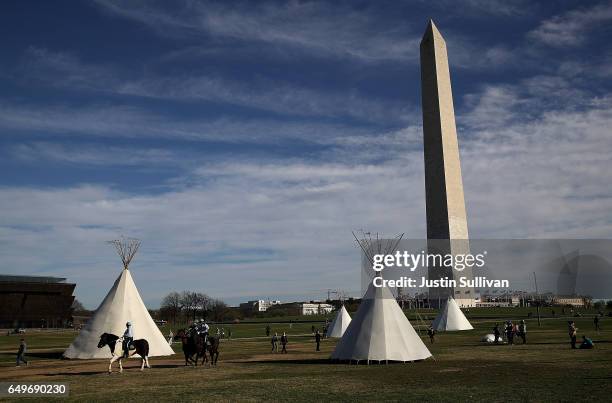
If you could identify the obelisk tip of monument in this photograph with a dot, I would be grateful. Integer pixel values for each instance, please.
(431, 32)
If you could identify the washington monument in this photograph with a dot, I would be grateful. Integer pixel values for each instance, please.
(447, 230)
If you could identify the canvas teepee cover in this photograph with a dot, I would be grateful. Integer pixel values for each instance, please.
(451, 318)
(339, 324)
(121, 304)
(380, 331)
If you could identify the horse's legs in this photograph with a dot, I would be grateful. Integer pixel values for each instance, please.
(142, 363)
(120, 366)
(147, 361)
(110, 364)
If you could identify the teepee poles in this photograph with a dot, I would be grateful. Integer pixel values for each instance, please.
(126, 249)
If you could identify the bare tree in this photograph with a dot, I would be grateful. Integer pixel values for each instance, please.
(190, 302)
(204, 303)
(77, 306)
(218, 310)
(172, 306)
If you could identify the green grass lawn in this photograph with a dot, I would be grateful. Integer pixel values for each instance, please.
(462, 369)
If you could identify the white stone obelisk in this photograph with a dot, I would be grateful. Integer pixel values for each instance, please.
(447, 230)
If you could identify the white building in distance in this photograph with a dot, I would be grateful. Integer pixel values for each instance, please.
(259, 305)
(316, 308)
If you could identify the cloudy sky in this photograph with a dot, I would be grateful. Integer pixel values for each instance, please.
(243, 141)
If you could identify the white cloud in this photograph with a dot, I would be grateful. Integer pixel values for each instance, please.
(485, 8)
(131, 122)
(257, 226)
(572, 28)
(65, 70)
(327, 29)
(319, 29)
(89, 154)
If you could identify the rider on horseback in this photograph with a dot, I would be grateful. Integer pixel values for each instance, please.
(128, 337)
(203, 330)
(193, 328)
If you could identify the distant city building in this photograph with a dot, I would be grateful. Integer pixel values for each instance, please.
(33, 301)
(564, 301)
(315, 308)
(259, 305)
(503, 300)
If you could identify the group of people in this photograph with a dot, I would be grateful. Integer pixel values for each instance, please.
(511, 330)
(199, 327)
(572, 331)
(283, 341)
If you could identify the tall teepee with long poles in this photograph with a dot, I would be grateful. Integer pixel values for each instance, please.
(380, 330)
(122, 304)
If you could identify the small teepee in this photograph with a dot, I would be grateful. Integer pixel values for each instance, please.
(339, 324)
(379, 330)
(121, 304)
(451, 318)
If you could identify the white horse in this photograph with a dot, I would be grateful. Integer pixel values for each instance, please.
(115, 343)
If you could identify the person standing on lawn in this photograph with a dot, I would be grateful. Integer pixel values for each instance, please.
(572, 330)
(522, 331)
(284, 342)
(21, 353)
(318, 340)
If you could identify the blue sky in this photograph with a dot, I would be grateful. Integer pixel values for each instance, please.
(243, 141)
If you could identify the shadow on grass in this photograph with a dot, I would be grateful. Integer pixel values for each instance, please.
(84, 373)
(154, 366)
(130, 369)
(327, 361)
(310, 361)
(54, 355)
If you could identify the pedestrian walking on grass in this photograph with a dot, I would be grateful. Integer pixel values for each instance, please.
(431, 332)
(284, 342)
(572, 330)
(267, 330)
(21, 353)
(522, 331)
(275, 343)
(596, 323)
(496, 332)
(510, 332)
(318, 340)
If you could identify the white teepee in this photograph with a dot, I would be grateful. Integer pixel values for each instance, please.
(339, 324)
(380, 331)
(122, 304)
(451, 318)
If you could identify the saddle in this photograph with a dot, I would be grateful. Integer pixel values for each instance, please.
(130, 345)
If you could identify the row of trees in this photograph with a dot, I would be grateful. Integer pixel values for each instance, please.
(187, 306)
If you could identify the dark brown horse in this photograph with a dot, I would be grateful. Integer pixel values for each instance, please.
(193, 345)
(111, 340)
(213, 349)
